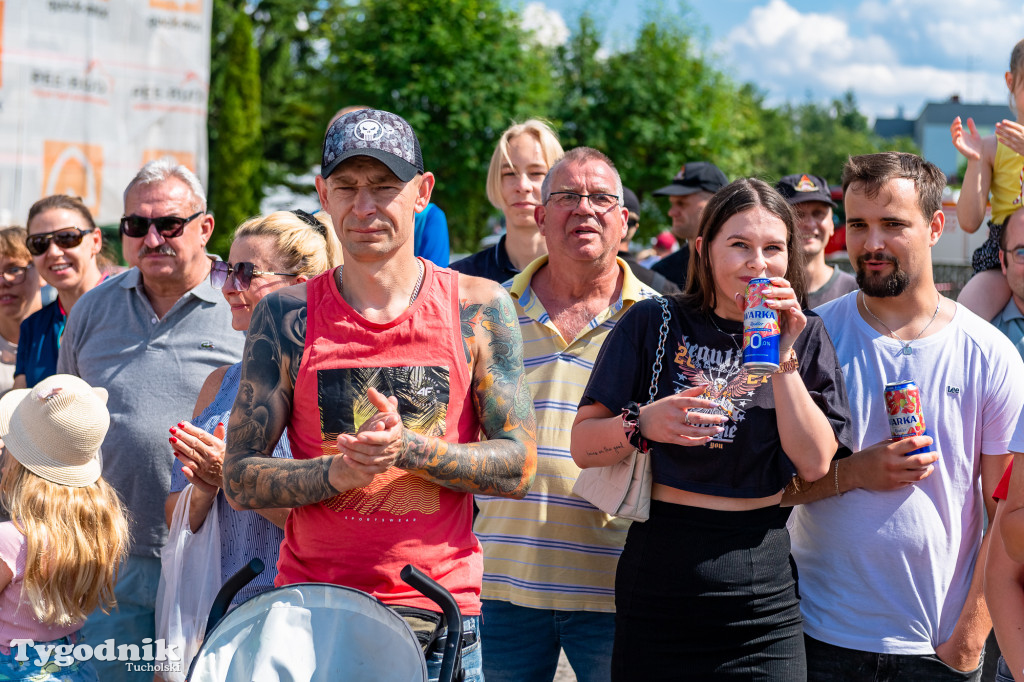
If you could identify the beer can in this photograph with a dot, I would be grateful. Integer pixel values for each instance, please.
(903, 407)
(760, 331)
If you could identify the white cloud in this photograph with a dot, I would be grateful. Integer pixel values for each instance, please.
(891, 53)
(546, 25)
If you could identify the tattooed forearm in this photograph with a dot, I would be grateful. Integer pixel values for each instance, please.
(273, 349)
(257, 482)
(498, 467)
(506, 463)
(604, 450)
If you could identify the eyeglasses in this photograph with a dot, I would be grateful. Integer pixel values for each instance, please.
(241, 274)
(633, 222)
(64, 238)
(600, 202)
(168, 226)
(1017, 254)
(15, 274)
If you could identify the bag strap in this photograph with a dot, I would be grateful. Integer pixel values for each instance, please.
(662, 337)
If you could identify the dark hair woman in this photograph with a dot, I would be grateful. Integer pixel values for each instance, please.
(705, 588)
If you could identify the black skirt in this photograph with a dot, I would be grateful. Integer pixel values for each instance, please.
(708, 595)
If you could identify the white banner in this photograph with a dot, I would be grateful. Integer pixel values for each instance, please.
(92, 89)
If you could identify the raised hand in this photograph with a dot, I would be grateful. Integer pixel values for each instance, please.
(967, 142)
(1011, 134)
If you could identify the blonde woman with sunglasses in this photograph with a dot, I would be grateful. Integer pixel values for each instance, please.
(65, 246)
(268, 253)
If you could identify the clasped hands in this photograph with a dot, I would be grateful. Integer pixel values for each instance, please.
(373, 449)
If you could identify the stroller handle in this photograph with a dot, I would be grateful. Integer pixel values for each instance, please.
(453, 617)
(222, 601)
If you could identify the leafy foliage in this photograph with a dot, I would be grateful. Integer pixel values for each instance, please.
(235, 125)
(461, 71)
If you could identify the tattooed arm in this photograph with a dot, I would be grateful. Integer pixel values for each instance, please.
(503, 465)
(253, 479)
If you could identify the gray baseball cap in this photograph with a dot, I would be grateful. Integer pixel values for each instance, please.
(378, 134)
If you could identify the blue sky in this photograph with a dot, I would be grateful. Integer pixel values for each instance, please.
(892, 53)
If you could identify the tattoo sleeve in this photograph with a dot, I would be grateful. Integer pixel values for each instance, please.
(505, 464)
(253, 479)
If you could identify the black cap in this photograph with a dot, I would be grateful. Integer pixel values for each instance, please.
(378, 134)
(630, 201)
(699, 176)
(805, 187)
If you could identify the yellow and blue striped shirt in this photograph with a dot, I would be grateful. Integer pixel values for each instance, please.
(553, 550)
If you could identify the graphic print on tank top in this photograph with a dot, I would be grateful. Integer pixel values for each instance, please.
(422, 394)
(725, 382)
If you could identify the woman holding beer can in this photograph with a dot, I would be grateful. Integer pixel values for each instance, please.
(706, 589)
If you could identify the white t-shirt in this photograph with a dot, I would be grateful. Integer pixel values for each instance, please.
(888, 572)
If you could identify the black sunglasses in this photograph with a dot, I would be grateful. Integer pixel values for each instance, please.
(169, 226)
(64, 238)
(241, 274)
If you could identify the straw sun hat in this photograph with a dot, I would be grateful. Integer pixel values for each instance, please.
(56, 428)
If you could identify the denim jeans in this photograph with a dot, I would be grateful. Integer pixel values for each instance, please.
(521, 643)
(471, 658)
(1003, 673)
(829, 663)
(133, 619)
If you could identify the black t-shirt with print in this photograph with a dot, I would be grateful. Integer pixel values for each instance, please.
(745, 460)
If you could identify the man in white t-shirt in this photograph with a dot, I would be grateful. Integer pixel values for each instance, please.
(889, 545)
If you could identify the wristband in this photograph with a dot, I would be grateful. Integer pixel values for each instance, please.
(790, 364)
(631, 426)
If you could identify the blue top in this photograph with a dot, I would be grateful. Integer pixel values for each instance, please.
(431, 238)
(1009, 321)
(39, 342)
(244, 535)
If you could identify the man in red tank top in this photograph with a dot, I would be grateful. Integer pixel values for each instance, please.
(385, 371)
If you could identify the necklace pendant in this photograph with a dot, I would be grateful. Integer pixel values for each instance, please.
(907, 350)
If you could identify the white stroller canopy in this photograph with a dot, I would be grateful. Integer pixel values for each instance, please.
(310, 632)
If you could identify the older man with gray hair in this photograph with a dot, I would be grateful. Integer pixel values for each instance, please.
(549, 559)
(150, 336)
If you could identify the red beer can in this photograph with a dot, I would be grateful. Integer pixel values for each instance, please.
(903, 407)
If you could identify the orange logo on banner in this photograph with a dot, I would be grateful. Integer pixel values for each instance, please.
(73, 168)
(186, 159)
(195, 7)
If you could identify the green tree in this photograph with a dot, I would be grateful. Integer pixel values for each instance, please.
(653, 107)
(458, 71)
(816, 138)
(234, 124)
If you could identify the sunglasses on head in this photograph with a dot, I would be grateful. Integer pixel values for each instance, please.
(240, 273)
(64, 238)
(169, 226)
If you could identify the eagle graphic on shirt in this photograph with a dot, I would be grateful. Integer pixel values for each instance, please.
(726, 383)
(422, 394)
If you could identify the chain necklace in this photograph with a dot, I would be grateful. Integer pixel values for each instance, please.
(732, 337)
(415, 291)
(907, 350)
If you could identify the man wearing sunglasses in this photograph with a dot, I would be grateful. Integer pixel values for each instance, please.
(150, 336)
(384, 371)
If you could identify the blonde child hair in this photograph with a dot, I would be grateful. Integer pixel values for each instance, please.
(75, 528)
(76, 537)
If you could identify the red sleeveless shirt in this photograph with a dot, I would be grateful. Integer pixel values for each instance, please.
(362, 538)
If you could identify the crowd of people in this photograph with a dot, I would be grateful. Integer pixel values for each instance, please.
(345, 403)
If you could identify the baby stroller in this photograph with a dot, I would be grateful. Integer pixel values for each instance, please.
(316, 631)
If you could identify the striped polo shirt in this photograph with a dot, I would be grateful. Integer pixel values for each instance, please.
(553, 550)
